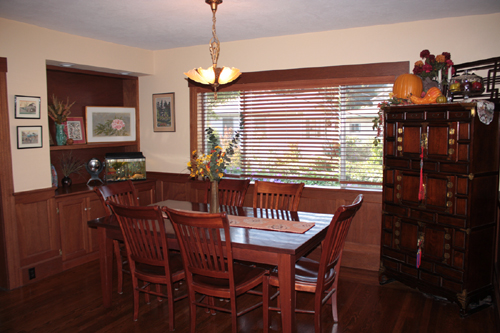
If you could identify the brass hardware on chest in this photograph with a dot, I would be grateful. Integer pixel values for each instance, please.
(397, 224)
(396, 233)
(452, 131)
(400, 139)
(400, 130)
(451, 151)
(398, 195)
(447, 236)
(399, 178)
(473, 112)
(471, 176)
(449, 204)
(449, 184)
(447, 246)
(451, 141)
(449, 194)
(398, 187)
(400, 148)
(447, 256)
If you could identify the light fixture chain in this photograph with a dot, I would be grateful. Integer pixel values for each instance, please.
(214, 43)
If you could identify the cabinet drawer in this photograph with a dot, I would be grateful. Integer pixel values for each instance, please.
(455, 115)
(414, 115)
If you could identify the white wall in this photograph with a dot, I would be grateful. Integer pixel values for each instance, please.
(466, 38)
(27, 47)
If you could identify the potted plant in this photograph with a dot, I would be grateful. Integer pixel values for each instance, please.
(70, 164)
(59, 112)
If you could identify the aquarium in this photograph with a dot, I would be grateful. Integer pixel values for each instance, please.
(125, 166)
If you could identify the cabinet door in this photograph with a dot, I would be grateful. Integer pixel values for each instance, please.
(146, 192)
(74, 229)
(439, 140)
(94, 210)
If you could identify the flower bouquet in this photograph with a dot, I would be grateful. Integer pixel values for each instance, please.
(212, 165)
(438, 67)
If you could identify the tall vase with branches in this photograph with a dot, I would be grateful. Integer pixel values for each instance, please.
(59, 112)
(212, 165)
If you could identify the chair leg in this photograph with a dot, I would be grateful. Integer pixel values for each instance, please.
(192, 311)
(234, 317)
(333, 300)
(146, 294)
(158, 290)
(171, 312)
(265, 303)
(136, 299)
(119, 265)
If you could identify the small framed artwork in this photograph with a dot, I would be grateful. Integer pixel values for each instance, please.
(164, 112)
(110, 124)
(29, 137)
(75, 130)
(27, 107)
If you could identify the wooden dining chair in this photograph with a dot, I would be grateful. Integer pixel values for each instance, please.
(277, 195)
(321, 278)
(206, 249)
(231, 191)
(143, 229)
(123, 193)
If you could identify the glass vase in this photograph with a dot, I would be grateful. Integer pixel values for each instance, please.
(214, 197)
(60, 135)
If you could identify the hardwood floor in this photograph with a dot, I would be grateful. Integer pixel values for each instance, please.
(71, 302)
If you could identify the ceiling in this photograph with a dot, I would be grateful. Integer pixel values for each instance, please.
(165, 24)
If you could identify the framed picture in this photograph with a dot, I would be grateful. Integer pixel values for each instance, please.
(27, 107)
(75, 129)
(29, 137)
(164, 112)
(110, 124)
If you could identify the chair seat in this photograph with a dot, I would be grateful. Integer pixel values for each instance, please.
(176, 267)
(244, 277)
(306, 274)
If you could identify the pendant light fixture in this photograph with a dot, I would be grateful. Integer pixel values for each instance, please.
(214, 75)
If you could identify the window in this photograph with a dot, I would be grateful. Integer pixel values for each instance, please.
(318, 132)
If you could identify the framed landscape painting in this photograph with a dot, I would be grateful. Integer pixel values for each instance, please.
(29, 137)
(164, 112)
(27, 107)
(75, 130)
(110, 124)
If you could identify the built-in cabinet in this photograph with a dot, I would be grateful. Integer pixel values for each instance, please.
(80, 204)
(439, 209)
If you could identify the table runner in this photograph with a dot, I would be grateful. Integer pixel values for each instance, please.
(269, 224)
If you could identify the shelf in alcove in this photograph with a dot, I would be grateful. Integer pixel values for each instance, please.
(94, 145)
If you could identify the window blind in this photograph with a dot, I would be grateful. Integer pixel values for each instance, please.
(320, 136)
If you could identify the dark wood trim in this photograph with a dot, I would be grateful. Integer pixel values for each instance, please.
(10, 275)
(316, 73)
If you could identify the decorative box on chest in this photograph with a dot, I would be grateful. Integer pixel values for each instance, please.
(124, 166)
(439, 209)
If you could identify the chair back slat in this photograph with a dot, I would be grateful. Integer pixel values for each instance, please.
(143, 229)
(335, 239)
(279, 196)
(205, 242)
(123, 193)
(231, 191)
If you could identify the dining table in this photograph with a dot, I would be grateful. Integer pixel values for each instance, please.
(270, 243)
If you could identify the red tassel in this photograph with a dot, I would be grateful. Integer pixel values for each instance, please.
(421, 189)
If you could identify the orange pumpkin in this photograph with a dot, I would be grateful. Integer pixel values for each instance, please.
(407, 85)
(429, 98)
